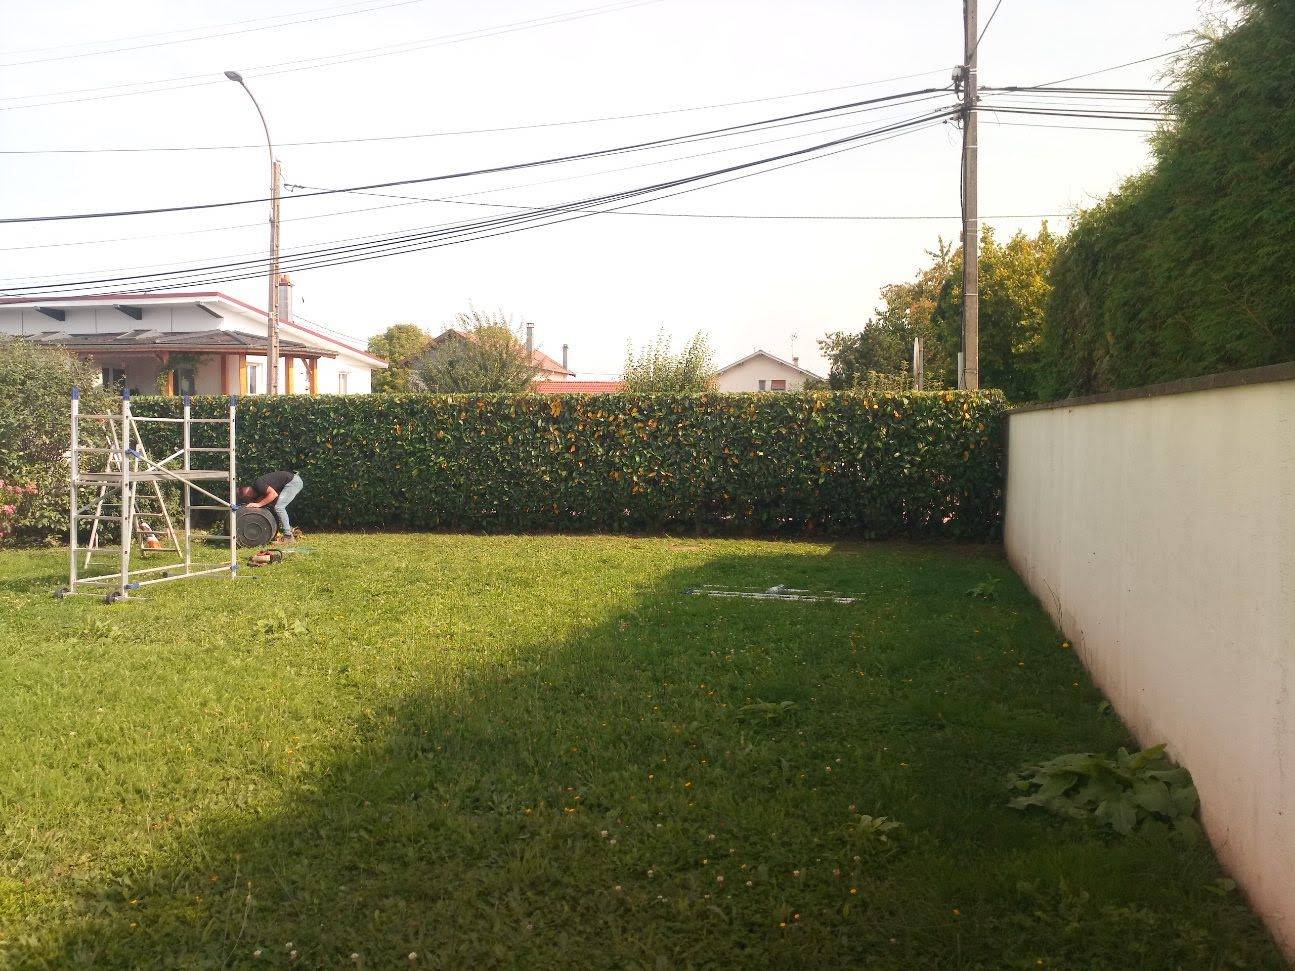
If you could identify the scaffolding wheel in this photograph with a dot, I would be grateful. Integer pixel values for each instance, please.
(61, 593)
(115, 597)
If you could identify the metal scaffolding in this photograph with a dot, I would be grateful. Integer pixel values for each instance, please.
(130, 486)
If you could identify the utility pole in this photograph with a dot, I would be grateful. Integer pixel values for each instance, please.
(272, 352)
(969, 372)
(276, 185)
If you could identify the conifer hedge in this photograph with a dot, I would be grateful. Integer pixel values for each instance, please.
(868, 464)
(1187, 269)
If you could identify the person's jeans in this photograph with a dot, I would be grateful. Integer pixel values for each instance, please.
(281, 504)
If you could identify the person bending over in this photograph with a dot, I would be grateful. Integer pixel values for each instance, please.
(276, 490)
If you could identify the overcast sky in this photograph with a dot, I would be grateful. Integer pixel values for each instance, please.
(593, 283)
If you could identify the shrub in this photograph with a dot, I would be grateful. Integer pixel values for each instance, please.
(849, 463)
(35, 390)
(657, 368)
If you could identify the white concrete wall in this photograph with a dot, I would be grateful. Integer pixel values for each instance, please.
(1160, 534)
(747, 376)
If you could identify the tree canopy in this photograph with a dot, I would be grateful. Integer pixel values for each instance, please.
(1013, 295)
(482, 353)
(399, 345)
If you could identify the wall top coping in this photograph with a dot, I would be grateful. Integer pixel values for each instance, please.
(1208, 382)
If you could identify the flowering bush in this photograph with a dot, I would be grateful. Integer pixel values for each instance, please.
(11, 496)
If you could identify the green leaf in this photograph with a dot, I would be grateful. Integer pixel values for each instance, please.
(1153, 796)
(1121, 813)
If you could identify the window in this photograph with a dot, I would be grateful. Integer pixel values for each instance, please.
(763, 385)
(778, 384)
(186, 381)
(253, 378)
(114, 378)
(342, 381)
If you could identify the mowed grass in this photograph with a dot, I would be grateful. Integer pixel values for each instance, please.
(538, 752)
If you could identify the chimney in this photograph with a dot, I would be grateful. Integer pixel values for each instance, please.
(796, 361)
(530, 340)
(285, 298)
(565, 348)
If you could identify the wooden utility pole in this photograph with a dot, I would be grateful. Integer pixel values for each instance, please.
(969, 377)
(919, 365)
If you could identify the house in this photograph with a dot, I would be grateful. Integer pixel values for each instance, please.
(577, 387)
(761, 371)
(203, 342)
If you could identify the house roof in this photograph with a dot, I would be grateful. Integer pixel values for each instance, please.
(578, 387)
(145, 341)
(186, 296)
(539, 359)
(772, 357)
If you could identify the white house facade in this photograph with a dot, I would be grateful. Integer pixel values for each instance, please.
(761, 371)
(191, 343)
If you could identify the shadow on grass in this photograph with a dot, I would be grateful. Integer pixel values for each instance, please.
(614, 800)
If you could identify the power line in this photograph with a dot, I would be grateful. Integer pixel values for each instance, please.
(412, 242)
(460, 199)
(1035, 124)
(310, 63)
(204, 37)
(582, 211)
(466, 131)
(976, 46)
(470, 228)
(1112, 92)
(348, 212)
(172, 33)
(1107, 70)
(639, 146)
(1063, 113)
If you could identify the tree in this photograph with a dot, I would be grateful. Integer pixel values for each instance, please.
(1186, 269)
(1014, 291)
(399, 345)
(881, 354)
(657, 368)
(482, 353)
(35, 394)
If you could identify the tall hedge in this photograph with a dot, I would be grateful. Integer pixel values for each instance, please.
(842, 463)
(1187, 269)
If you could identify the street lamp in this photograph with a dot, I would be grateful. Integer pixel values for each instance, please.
(276, 179)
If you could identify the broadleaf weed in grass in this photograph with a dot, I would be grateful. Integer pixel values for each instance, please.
(1120, 792)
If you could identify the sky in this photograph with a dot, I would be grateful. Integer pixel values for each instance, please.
(594, 283)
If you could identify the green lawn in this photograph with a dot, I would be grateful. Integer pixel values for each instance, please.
(536, 752)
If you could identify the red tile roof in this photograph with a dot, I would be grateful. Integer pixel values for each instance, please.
(578, 387)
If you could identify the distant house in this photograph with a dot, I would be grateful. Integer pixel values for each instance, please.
(221, 342)
(761, 371)
(577, 387)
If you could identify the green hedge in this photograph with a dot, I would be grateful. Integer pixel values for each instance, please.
(842, 463)
(1186, 270)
